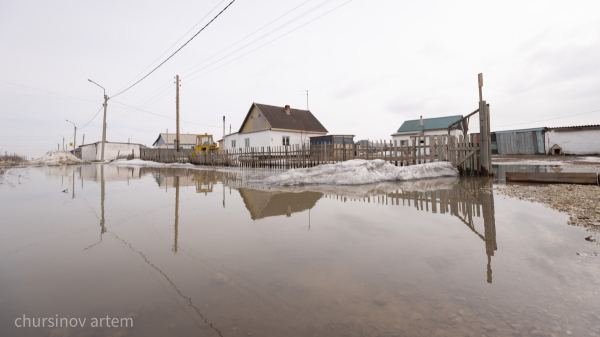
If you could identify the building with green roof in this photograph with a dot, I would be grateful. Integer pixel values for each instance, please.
(425, 127)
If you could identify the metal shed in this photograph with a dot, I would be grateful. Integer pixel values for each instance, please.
(524, 141)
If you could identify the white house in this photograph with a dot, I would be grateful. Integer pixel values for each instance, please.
(267, 125)
(578, 140)
(93, 151)
(167, 141)
(410, 130)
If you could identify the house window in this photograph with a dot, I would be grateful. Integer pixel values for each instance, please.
(233, 144)
(285, 140)
(247, 142)
(402, 142)
(258, 115)
(251, 117)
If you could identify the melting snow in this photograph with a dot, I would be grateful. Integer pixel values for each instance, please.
(360, 172)
(57, 158)
(589, 159)
(147, 163)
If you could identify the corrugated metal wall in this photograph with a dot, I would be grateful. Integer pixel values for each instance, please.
(528, 142)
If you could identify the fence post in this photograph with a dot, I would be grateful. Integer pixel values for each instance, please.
(484, 134)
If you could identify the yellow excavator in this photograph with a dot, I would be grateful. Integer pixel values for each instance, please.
(205, 143)
(204, 182)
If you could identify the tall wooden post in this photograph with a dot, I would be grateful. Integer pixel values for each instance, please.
(484, 134)
(177, 107)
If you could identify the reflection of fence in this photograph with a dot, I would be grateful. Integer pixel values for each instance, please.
(462, 152)
(471, 201)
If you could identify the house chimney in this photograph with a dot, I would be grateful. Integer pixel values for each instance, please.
(287, 110)
(421, 123)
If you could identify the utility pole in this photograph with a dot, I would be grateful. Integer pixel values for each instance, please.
(104, 122)
(104, 128)
(63, 137)
(177, 103)
(223, 129)
(307, 100)
(74, 136)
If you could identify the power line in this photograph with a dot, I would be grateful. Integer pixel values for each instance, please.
(81, 128)
(264, 35)
(168, 58)
(545, 120)
(155, 114)
(247, 36)
(51, 92)
(277, 38)
(161, 55)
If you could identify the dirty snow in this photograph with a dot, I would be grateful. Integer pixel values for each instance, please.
(368, 190)
(360, 172)
(57, 158)
(589, 159)
(147, 163)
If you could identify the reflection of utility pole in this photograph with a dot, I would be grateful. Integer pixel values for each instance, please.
(489, 223)
(176, 212)
(102, 194)
(73, 193)
(177, 142)
(223, 195)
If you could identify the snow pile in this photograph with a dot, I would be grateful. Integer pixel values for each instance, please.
(147, 163)
(369, 190)
(57, 158)
(360, 172)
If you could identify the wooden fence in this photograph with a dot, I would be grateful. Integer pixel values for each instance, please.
(462, 152)
(166, 155)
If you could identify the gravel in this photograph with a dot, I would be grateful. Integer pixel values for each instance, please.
(581, 202)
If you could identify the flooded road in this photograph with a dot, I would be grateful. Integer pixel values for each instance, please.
(200, 252)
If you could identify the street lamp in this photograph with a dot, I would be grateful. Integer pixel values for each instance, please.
(104, 123)
(74, 136)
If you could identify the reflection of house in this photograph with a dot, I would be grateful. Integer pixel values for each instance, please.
(267, 125)
(171, 181)
(578, 140)
(262, 204)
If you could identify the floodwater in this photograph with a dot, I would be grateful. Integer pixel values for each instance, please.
(204, 253)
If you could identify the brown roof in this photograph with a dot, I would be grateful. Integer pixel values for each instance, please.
(302, 120)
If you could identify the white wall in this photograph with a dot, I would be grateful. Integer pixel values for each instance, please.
(111, 150)
(426, 134)
(574, 142)
(269, 138)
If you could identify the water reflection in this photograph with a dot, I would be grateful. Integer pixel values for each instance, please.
(264, 203)
(469, 200)
(384, 259)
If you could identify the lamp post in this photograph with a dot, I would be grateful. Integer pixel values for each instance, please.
(74, 136)
(104, 122)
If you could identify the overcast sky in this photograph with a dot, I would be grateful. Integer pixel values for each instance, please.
(368, 65)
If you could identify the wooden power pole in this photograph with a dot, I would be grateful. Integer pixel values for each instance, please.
(177, 108)
(485, 142)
